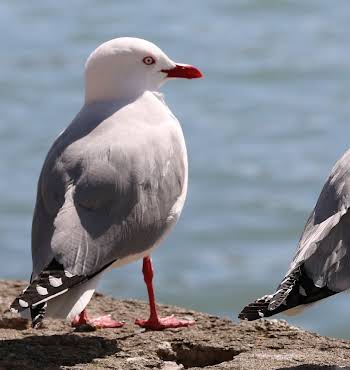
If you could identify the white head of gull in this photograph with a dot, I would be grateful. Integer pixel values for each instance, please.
(126, 67)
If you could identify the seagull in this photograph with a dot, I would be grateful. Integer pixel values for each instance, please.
(321, 265)
(112, 186)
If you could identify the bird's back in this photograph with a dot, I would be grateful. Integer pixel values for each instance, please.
(108, 185)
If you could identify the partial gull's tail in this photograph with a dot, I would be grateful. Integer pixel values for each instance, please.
(295, 292)
(51, 283)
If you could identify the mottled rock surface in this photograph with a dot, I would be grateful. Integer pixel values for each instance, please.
(214, 343)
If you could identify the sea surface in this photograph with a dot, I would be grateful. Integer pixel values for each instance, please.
(263, 129)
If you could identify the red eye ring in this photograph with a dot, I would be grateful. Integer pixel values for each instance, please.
(148, 60)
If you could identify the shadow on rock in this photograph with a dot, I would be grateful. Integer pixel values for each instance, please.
(315, 367)
(14, 323)
(51, 352)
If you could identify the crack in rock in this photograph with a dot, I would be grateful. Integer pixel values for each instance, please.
(195, 354)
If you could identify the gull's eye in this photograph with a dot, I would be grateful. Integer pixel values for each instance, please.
(148, 60)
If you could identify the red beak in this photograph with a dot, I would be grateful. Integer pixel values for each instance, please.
(183, 71)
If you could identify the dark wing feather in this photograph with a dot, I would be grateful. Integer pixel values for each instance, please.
(52, 282)
(297, 289)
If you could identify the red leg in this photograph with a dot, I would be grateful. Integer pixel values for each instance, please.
(155, 322)
(98, 322)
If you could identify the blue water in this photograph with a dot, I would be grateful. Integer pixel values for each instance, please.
(263, 130)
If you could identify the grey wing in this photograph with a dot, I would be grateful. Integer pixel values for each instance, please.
(106, 206)
(77, 228)
(69, 225)
(321, 266)
(324, 247)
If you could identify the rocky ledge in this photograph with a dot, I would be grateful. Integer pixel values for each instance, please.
(213, 343)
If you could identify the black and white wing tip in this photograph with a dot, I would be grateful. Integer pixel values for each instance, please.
(52, 282)
(296, 289)
(256, 310)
